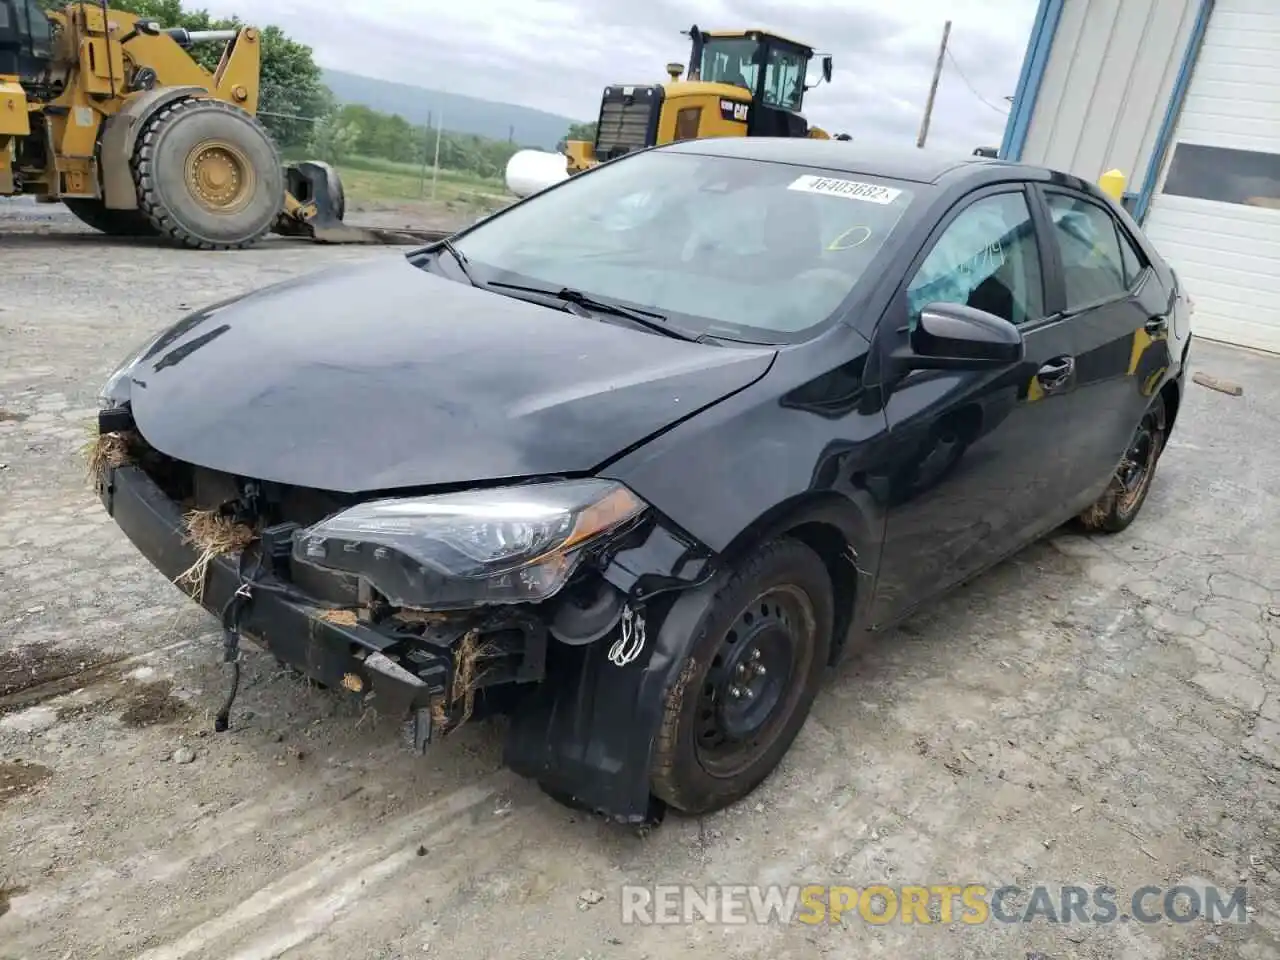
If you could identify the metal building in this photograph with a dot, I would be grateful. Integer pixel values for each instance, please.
(1183, 97)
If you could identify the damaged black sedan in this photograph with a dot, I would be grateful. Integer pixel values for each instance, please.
(636, 459)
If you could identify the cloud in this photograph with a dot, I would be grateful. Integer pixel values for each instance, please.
(557, 55)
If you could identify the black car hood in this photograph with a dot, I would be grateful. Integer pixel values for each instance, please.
(382, 376)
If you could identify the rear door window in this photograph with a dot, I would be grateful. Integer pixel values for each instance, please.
(1134, 261)
(1088, 238)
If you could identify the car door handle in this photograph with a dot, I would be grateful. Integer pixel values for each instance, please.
(1056, 374)
(1156, 326)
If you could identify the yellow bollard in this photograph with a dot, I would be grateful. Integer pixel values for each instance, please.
(1112, 183)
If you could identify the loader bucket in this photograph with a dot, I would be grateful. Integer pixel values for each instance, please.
(315, 206)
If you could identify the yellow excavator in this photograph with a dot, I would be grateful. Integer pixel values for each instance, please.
(740, 83)
(110, 114)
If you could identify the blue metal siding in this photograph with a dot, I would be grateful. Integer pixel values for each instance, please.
(1165, 133)
(1033, 66)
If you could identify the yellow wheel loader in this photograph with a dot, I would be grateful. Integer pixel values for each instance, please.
(111, 115)
(737, 84)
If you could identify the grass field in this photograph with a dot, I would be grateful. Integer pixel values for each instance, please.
(374, 180)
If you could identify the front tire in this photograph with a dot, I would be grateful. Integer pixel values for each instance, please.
(208, 175)
(749, 681)
(1121, 502)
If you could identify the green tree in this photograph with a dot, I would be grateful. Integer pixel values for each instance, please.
(335, 139)
(293, 95)
(581, 131)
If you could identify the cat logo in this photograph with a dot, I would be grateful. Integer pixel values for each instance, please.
(734, 111)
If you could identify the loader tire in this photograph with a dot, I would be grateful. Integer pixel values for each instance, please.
(114, 223)
(208, 175)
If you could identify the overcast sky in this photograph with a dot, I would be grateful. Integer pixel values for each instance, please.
(557, 54)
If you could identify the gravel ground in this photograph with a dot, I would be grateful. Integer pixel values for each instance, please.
(1092, 711)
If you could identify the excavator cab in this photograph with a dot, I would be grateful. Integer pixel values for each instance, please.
(769, 69)
(737, 83)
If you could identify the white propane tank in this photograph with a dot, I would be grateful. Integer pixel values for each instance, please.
(529, 171)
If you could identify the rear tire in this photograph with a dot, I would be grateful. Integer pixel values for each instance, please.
(208, 175)
(1120, 504)
(114, 223)
(727, 722)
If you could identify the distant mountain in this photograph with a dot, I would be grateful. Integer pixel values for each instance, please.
(418, 105)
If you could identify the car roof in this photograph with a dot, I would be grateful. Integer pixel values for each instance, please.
(848, 156)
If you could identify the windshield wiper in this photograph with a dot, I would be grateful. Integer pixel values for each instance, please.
(656, 322)
(460, 259)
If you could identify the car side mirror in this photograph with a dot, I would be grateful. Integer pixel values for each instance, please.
(950, 336)
(826, 68)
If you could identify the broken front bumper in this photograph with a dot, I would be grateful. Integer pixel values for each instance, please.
(277, 617)
(585, 733)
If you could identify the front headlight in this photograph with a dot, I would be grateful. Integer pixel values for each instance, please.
(452, 551)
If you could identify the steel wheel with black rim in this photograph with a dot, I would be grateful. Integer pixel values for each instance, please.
(748, 683)
(1124, 497)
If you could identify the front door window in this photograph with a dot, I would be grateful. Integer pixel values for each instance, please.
(988, 259)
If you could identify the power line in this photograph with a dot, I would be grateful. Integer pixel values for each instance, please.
(972, 88)
(289, 116)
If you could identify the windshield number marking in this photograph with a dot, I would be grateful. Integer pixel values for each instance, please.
(849, 189)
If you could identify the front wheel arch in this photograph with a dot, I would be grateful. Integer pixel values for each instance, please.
(838, 532)
(1172, 400)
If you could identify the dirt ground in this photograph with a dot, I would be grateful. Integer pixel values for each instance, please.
(1093, 711)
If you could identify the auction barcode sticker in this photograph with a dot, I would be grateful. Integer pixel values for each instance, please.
(849, 189)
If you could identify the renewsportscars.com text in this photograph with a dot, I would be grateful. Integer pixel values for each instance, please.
(938, 903)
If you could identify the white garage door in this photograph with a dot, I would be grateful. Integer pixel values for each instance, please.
(1216, 215)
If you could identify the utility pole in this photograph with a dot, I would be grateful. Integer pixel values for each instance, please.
(426, 145)
(435, 170)
(933, 87)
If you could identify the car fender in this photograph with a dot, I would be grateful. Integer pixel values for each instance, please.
(586, 734)
(779, 455)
